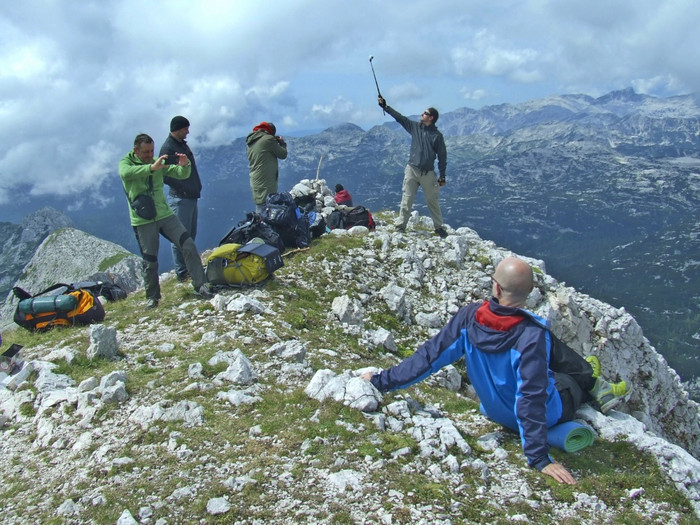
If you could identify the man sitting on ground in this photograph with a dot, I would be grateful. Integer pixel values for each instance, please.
(526, 379)
(342, 196)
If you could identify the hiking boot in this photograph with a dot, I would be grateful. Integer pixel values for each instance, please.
(595, 365)
(182, 277)
(204, 292)
(151, 304)
(441, 232)
(401, 228)
(608, 395)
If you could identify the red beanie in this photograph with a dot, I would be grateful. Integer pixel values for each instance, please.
(266, 126)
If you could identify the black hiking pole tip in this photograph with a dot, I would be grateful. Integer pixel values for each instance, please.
(371, 57)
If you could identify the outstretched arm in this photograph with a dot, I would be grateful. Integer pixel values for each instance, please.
(445, 348)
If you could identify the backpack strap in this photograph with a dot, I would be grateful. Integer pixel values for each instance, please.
(23, 294)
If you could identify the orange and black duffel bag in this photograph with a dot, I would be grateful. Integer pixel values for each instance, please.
(73, 306)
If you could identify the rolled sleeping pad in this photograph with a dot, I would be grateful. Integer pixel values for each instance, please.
(570, 436)
(49, 303)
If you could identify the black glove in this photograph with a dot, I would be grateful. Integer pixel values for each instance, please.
(441, 180)
(381, 102)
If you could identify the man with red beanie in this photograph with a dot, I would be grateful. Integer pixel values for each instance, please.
(264, 148)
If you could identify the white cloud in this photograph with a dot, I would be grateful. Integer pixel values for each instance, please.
(476, 94)
(288, 122)
(80, 80)
(486, 55)
(406, 92)
(339, 109)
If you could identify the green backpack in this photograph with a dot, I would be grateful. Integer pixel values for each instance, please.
(242, 265)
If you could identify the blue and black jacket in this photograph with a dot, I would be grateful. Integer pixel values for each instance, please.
(507, 352)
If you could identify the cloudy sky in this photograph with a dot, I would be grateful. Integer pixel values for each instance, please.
(80, 79)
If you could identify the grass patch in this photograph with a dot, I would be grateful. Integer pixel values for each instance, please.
(612, 469)
(107, 263)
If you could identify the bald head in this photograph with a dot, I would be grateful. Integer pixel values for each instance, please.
(514, 281)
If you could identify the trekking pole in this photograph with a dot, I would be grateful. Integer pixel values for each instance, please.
(371, 57)
(318, 170)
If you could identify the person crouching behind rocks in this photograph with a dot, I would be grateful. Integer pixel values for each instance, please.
(342, 196)
(142, 175)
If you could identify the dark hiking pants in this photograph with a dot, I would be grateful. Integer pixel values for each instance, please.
(573, 378)
(172, 229)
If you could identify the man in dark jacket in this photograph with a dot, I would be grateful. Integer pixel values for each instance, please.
(184, 193)
(526, 379)
(426, 144)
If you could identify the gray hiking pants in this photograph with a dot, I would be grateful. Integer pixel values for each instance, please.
(147, 235)
(413, 178)
(186, 211)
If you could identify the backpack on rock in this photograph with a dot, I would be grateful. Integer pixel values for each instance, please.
(346, 218)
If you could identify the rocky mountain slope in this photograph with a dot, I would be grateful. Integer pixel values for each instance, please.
(18, 242)
(605, 189)
(201, 411)
(68, 255)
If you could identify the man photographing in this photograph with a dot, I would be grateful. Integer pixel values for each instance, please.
(427, 143)
(142, 176)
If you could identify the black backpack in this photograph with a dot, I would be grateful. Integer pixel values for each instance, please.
(347, 218)
(108, 290)
(283, 215)
(280, 210)
(253, 227)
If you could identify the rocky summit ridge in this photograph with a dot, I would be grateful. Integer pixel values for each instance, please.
(247, 408)
(18, 242)
(67, 255)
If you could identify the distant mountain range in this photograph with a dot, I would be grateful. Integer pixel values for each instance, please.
(606, 190)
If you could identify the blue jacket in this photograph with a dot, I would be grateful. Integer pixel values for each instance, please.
(507, 353)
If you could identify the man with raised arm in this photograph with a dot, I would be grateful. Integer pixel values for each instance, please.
(526, 379)
(427, 143)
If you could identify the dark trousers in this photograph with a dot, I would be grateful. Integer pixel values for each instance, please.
(186, 211)
(172, 229)
(573, 377)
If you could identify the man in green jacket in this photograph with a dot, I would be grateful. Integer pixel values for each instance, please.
(264, 148)
(140, 175)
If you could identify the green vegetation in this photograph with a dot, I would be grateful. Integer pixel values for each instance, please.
(272, 459)
(107, 263)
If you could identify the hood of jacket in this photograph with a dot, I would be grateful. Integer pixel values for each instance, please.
(255, 136)
(496, 328)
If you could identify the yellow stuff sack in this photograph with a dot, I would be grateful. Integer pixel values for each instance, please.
(242, 265)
